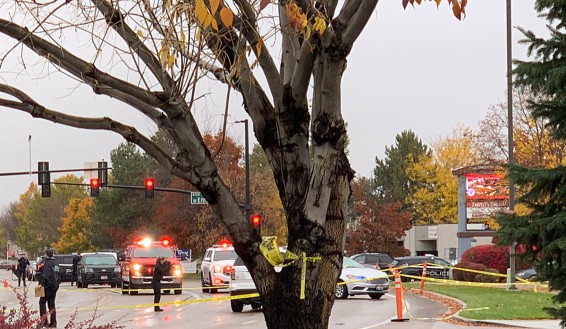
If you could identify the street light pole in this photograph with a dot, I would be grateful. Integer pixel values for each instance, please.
(247, 157)
(511, 282)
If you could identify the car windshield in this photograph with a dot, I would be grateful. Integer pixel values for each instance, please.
(225, 255)
(153, 252)
(100, 260)
(349, 263)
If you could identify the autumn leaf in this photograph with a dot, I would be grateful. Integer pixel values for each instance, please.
(319, 25)
(214, 6)
(264, 4)
(226, 16)
(297, 19)
(405, 2)
(200, 12)
(457, 9)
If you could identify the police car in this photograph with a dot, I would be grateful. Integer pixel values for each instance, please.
(216, 267)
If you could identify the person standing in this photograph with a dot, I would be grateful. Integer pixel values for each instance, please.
(162, 266)
(50, 281)
(23, 264)
(76, 261)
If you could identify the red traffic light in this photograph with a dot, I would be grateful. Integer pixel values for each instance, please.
(149, 183)
(94, 183)
(256, 220)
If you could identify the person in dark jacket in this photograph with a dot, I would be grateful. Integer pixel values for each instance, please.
(161, 268)
(23, 264)
(76, 261)
(50, 281)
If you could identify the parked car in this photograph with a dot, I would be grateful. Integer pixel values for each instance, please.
(65, 262)
(436, 267)
(356, 279)
(7, 264)
(376, 260)
(527, 274)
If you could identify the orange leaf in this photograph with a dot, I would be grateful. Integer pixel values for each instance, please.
(214, 6)
(457, 9)
(438, 2)
(226, 16)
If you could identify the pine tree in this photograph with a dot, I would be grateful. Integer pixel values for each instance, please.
(543, 230)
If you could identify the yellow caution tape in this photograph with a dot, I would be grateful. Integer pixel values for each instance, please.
(270, 251)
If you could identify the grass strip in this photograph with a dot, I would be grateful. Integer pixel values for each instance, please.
(484, 303)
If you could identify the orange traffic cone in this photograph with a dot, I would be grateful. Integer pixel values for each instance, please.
(5, 283)
(399, 298)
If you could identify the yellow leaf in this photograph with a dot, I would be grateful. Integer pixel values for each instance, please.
(171, 61)
(226, 16)
(319, 25)
(307, 31)
(197, 34)
(139, 33)
(259, 46)
(438, 2)
(214, 24)
(207, 20)
(214, 6)
(200, 11)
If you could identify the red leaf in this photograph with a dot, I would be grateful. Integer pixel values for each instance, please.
(264, 4)
(405, 2)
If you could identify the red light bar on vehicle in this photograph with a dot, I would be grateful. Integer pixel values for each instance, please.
(224, 243)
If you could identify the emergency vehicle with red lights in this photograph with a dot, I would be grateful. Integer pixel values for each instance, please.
(216, 266)
(139, 261)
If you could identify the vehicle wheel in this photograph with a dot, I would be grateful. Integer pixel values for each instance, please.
(341, 291)
(124, 290)
(256, 306)
(212, 290)
(112, 285)
(204, 289)
(166, 291)
(376, 296)
(178, 291)
(79, 284)
(236, 306)
(85, 284)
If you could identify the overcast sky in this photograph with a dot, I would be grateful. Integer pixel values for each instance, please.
(418, 69)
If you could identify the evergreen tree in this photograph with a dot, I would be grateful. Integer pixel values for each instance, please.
(390, 174)
(543, 230)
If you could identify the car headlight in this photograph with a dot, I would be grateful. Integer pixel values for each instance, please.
(117, 270)
(217, 269)
(89, 270)
(177, 271)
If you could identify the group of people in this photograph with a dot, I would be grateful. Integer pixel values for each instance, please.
(49, 279)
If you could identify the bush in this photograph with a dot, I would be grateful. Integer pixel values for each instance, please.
(462, 275)
(490, 278)
(25, 317)
(458, 275)
(492, 256)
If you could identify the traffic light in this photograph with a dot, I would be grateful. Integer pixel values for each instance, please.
(44, 178)
(149, 185)
(103, 173)
(94, 187)
(256, 221)
(46, 191)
